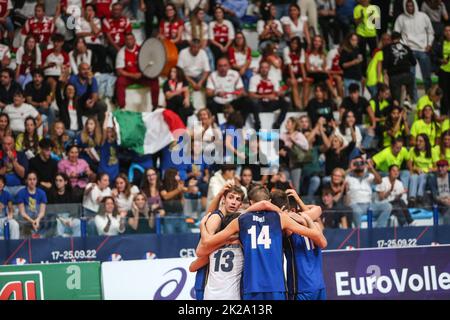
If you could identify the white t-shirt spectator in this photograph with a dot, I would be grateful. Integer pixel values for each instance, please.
(85, 26)
(17, 115)
(230, 83)
(360, 189)
(102, 221)
(59, 59)
(347, 137)
(90, 200)
(81, 58)
(124, 203)
(263, 86)
(193, 66)
(296, 28)
(399, 189)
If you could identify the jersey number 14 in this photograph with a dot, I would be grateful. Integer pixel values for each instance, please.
(263, 237)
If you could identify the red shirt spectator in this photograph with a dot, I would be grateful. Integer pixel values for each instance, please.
(5, 6)
(40, 26)
(54, 61)
(117, 28)
(128, 59)
(169, 30)
(239, 58)
(103, 8)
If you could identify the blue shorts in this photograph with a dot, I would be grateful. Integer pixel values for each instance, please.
(315, 295)
(264, 296)
(199, 294)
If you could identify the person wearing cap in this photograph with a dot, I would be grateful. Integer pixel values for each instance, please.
(439, 184)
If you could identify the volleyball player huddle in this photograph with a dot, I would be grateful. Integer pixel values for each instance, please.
(241, 256)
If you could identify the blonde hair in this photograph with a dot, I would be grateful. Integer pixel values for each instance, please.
(85, 138)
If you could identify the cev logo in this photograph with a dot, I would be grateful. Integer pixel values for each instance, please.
(25, 285)
(373, 17)
(74, 19)
(187, 253)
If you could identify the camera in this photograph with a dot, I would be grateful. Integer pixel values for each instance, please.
(360, 163)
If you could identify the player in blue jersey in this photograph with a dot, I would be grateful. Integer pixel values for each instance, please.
(260, 231)
(231, 198)
(304, 258)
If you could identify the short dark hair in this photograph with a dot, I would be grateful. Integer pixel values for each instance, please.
(228, 167)
(396, 35)
(57, 37)
(392, 166)
(18, 92)
(327, 190)
(46, 144)
(280, 198)
(354, 87)
(9, 72)
(37, 71)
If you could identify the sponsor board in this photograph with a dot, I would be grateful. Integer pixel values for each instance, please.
(407, 273)
(61, 281)
(160, 279)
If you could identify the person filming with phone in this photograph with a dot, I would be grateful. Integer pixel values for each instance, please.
(360, 178)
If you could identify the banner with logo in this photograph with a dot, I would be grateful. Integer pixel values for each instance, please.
(151, 246)
(61, 281)
(164, 279)
(407, 273)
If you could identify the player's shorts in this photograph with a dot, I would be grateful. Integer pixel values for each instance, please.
(199, 294)
(315, 295)
(265, 296)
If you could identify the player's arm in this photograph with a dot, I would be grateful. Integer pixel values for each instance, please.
(198, 263)
(214, 205)
(311, 210)
(292, 226)
(212, 224)
(212, 242)
(263, 206)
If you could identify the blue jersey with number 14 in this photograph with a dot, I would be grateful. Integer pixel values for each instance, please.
(262, 244)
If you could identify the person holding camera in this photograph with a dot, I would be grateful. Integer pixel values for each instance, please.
(361, 175)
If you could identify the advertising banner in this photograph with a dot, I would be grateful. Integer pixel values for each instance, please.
(60, 281)
(164, 279)
(407, 273)
(151, 246)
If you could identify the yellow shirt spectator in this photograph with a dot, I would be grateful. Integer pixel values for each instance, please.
(386, 158)
(421, 161)
(369, 15)
(430, 129)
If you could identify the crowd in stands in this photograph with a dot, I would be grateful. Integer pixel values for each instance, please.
(370, 133)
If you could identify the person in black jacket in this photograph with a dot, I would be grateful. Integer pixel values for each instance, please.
(397, 63)
(8, 87)
(44, 166)
(69, 108)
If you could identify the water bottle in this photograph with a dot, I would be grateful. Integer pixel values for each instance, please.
(369, 218)
(83, 223)
(6, 230)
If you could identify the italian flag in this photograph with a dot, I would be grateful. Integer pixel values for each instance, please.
(147, 132)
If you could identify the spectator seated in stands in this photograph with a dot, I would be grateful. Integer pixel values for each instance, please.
(39, 26)
(172, 194)
(5, 129)
(44, 166)
(18, 111)
(108, 221)
(54, 61)
(89, 142)
(61, 191)
(393, 191)
(32, 201)
(427, 125)
(86, 89)
(266, 96)
(439, 183)
(395, 126)
(221, 33)
(395, 154)
(140, 219)
(7, 212)
(28, 59)
(76, 169)
(420, 164)
(27, 141)
(38, 94)
(13, 165)
(123, 193)
(270, 30)
(195, 64)
(333, 215)
(225, 87)
(442, 151)
(8, 88)
(360, 178)
(128, 72)
(176, 91)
